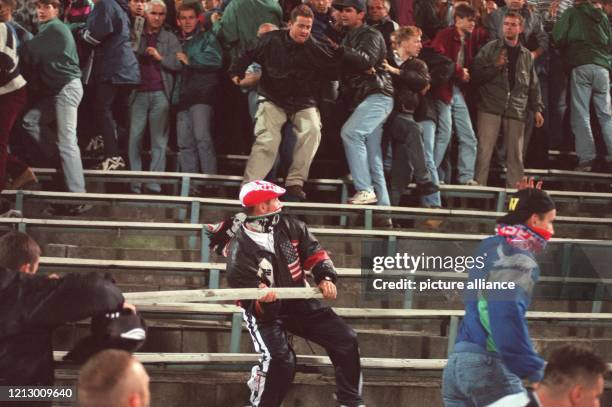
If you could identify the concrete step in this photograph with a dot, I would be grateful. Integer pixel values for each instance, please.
(214, 388)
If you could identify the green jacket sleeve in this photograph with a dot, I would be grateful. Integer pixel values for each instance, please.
(483, 67)
(209, 58)
(561, 29)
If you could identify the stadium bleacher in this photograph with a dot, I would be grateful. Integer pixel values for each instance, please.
(197, 353)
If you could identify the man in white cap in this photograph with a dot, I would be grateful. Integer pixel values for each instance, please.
(266, 248)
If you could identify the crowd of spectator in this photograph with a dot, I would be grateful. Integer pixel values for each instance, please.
(412, 90)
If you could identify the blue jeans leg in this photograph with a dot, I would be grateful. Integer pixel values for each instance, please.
(443, 133)
(587, 81)
(474, 379)
(201, 116)
(62, 110)
(138, 122)
(429, 139)
(188, 155)
(158, 128)
(66, 107)
(465, 135)
(361, 136)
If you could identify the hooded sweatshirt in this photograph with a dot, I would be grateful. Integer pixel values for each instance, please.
(583, 34)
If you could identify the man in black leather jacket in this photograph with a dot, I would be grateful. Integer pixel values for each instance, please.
(274, 250)
(367, 90)
(32, 306)
(293, 67)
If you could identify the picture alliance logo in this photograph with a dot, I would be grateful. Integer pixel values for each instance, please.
(412, 264)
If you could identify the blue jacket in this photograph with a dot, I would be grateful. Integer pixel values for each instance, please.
(495, 319)
(108, 30)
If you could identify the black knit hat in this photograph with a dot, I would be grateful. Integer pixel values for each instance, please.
(118, 330)
(525, 203)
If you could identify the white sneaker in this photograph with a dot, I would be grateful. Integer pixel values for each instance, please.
(471, 182)
(363, 197)
(112, 164)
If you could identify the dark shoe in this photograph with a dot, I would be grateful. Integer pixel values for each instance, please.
(295, 193)
(427, 188)
(383, 223)
(66, 210)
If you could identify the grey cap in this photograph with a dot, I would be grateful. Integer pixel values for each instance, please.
(359, 5)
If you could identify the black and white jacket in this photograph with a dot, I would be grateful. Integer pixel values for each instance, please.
(10, 77)
(296, 251)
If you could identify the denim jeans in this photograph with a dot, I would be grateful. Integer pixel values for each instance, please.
(429, 140)
(361, 136)
(61, 109)
(456, 112)
(151, 107)
(475, 379)
(196, 148)
(590, 81)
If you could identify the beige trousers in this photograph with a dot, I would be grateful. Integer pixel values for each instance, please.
(488, 130)
(270, 119)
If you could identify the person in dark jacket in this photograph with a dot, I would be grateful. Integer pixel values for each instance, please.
(378, 17)
(324, 25)
(293, 66)
(504, 73)
(413, 147)
(426, 18)
(366, 89)
(197, 86)
(32, 306)
(157, 57)
(266, 248)
(115, 70)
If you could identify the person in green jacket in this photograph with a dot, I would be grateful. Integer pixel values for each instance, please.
(584, 36)
(508, 85)
(196, 92)
(242, 18)
(51, 60)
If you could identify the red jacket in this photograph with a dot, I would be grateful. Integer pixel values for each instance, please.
(448, 43)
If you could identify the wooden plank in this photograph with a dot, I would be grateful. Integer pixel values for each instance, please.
(131, 264)
(229, 294)
(360, 313)
(248, 358)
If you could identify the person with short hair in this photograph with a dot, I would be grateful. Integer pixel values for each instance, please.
(574, 376)
(33, 306)
(267, 248)
(493, 352)
(157, 58)
(7, 7)
(508, 86)
(367, 91)
(54, 75)
(293, 67)
(413, 142)
(378, 17)
(456, 42)
(113, 378)
(584, 36)
(196, 92)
